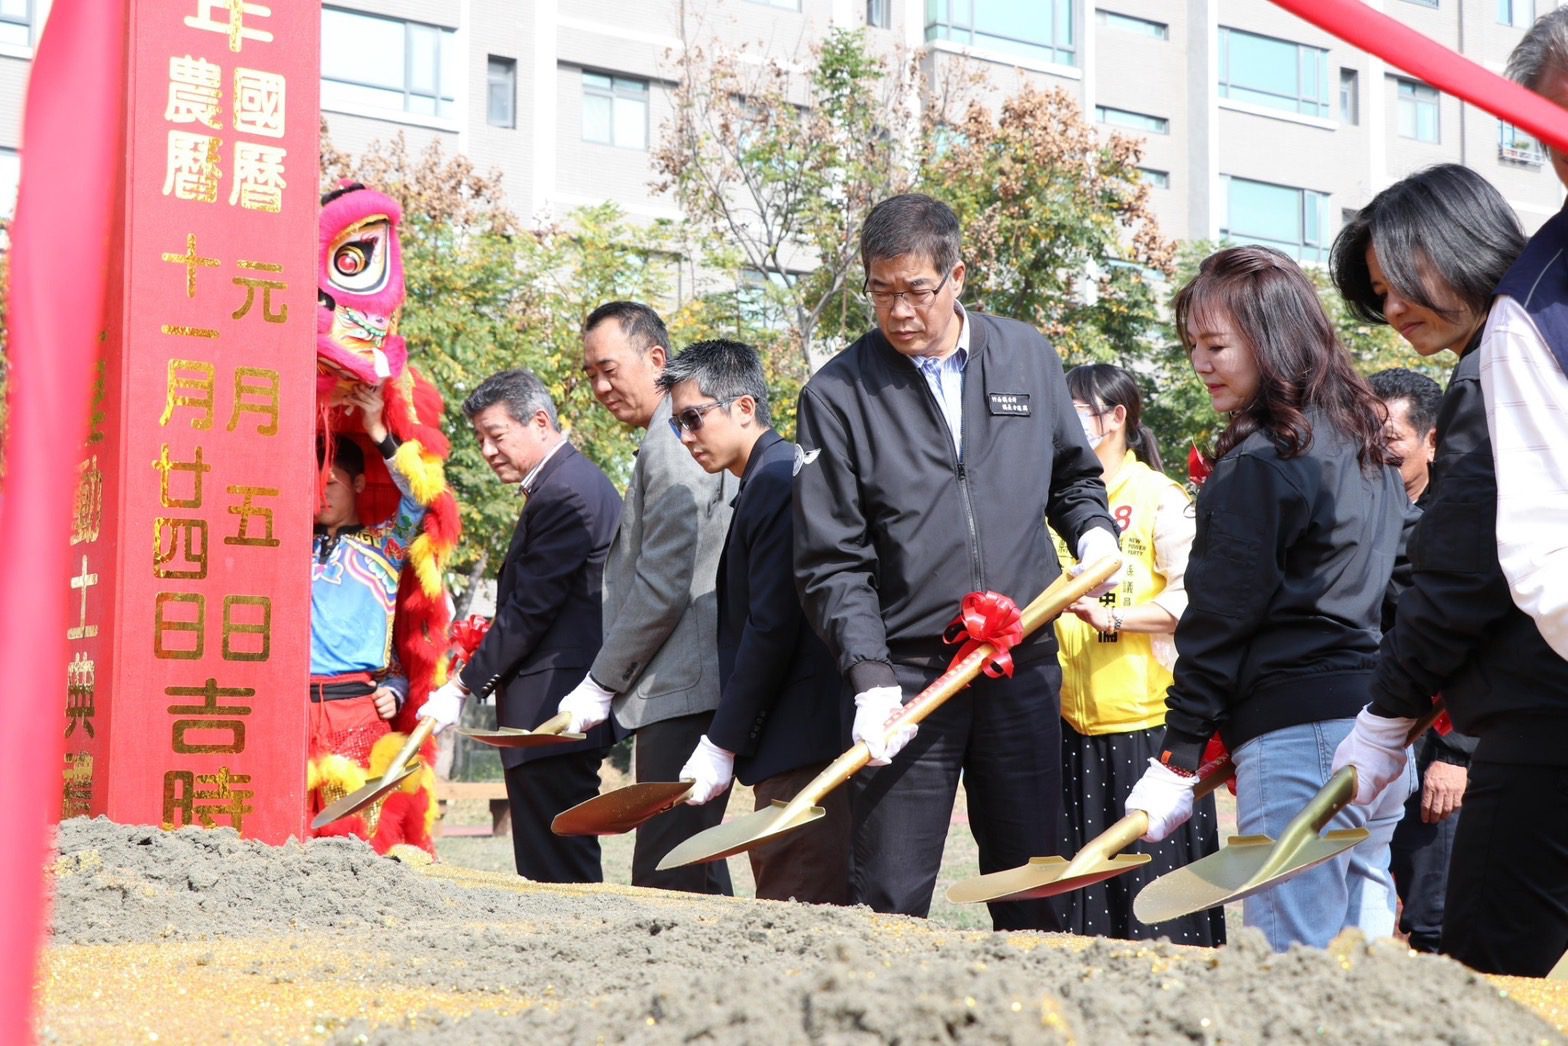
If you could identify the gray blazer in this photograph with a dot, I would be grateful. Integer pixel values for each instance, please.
(660, 652)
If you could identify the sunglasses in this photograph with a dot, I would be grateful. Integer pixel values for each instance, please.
(690, 419)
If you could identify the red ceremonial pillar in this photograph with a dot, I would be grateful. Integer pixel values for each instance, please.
(188, 577)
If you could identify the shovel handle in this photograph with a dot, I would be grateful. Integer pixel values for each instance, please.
(416, 740)
(1131, 828)
(556, 724)
(1045, 607)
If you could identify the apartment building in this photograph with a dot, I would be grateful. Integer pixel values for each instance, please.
(1256, 125)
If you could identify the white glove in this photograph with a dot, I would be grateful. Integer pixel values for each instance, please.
(1096, 544)
(588, 704)
(873, 709)
(1165, 796)
(445, 706)
(711, 768)
(1376, 747)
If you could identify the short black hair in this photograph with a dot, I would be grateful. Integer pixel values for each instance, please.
(912, 224)
(1447, 220)
(641, 325)
(1421, 393)
(346, 455)
(725, 370)
(521, 392)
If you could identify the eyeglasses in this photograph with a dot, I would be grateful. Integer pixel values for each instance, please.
(919, 298)
(690, 419)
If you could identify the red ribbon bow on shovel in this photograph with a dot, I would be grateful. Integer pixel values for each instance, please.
(987, 617)
(466, 636)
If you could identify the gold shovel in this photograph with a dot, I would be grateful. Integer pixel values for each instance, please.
(744, 833)
(549, 732)
(621, 809)
(396, 774)
(1100, 859)
(1250, 863)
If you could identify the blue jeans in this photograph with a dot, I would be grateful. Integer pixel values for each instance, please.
(1276, 775)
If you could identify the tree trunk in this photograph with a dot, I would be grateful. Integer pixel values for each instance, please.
(466, 597)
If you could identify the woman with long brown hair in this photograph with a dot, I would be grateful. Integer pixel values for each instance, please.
(1297, 530)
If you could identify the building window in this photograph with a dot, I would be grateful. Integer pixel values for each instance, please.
(1520, 13)
(615, 110)
(1349, 97)
(1261, 70)
(387, 63)
(10, 178)
(501, 92)
(761, 298)
(16, 22)
(1288, 219)
(879, 13)
(1417, 111)
(1158, 179)
(1129, 24)
(1515, 146)
(1039, 29)
(1136, 121)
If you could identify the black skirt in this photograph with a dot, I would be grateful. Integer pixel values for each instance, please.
(1097, 774)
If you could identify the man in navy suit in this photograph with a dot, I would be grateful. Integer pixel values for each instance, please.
(547, 626)
(782, 715)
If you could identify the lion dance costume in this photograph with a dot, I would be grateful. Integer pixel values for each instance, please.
(360, 295)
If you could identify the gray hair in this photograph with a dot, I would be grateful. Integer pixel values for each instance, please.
(523, 394)
(911, 224)
(1543, 49)
(725, 370)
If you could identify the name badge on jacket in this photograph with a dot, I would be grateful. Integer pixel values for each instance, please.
(1015, 403)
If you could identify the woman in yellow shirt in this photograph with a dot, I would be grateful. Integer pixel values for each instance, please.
(1117, 653)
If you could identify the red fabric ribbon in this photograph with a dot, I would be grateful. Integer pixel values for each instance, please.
(1198, 467)
(987, 617)
(1214, 751)
(466, 634)
(1444, 724)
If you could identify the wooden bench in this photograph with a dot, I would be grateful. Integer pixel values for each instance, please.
(493, 791)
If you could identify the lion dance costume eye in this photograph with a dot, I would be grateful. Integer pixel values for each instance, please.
(360, 300)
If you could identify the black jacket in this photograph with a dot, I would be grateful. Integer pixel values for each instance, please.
(782, 705)
(547, 625)
(892, 529)
(1457, 630)
(1285, 584)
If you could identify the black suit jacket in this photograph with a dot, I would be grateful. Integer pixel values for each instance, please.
(547, 625)
(782, 705)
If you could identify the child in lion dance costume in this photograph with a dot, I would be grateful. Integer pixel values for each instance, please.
(379, 613)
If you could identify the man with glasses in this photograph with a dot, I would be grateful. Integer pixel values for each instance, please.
(933, 452)
(658, 668)
(782, 716)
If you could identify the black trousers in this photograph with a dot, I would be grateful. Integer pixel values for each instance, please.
(1004, 735)
(1507, 909)
(660, 752)
(1418, 858)
(538, 790)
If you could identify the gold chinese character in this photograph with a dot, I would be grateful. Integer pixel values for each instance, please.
(191, 261)
(77, 795)
(203, 806)
(192, 171)
(258, 177)
(247, 510)
(252, 283)
(191, 383)
(233, 26)
(256, 392)
(81, 684)
(258, 102)
(195, 92)
(207, 716)
(83, 581)
(87, 507)
(165, 626)
(233, 628)
(187, 538)
(100, 414)
(166, 469)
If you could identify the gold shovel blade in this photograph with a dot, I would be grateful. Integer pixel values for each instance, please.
(512, 737)
(1041, 877)
(1241, 868)
(621, 809)
(362, 797)
(739, 835)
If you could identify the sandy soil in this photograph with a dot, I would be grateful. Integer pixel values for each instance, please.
(463, 957)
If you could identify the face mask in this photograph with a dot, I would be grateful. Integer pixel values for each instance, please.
(1095, 438)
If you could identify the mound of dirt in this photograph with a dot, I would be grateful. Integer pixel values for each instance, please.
(570, 964)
